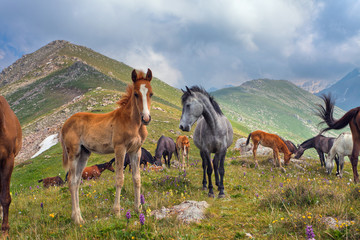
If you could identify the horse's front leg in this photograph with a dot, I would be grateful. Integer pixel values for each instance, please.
(321, 156)
(135, 165)
(216, 168)
(119, 179)
(5, 198)
(203, 157)
(354, 160)
(222, 173)
(341, 163)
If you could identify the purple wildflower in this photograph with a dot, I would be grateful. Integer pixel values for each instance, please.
(310, 233)
(42, 205)
(128, 214)
(142, 218)
(244, 174)
(38, 186)
(30, 188)
(281, 184)
(257, 195)
(142, 199)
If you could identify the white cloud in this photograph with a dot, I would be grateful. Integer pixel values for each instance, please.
(2, 54)
(145, 57)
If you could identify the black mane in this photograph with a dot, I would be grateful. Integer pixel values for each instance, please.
(199, 89)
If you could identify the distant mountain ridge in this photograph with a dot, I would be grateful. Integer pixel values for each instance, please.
(346, 91)
(277, 106)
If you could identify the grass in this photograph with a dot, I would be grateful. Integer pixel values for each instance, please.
(264, 202)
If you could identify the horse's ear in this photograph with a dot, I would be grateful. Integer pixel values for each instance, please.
(134, 75)
(149, 75)
(187, 89)
(183, 90)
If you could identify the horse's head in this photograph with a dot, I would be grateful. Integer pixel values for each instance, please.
(299, 152)
(157, 161)
(329, 164)
(287, 158)
(142, 94)
(192, 110)
(109, 166)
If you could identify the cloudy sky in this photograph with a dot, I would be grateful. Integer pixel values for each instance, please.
(208, 42)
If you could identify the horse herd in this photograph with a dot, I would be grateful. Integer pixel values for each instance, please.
(123, 131)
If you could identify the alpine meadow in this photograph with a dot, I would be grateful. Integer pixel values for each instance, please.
(48, 86)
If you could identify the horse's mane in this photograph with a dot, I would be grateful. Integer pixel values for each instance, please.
(187, 94)
(126, 97)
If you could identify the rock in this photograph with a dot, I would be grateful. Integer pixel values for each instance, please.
(187, 212)
(240, 145)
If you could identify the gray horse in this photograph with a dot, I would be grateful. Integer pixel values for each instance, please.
(213, 133)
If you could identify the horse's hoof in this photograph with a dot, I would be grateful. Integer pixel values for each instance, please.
(78, 220)
(204, 188)
(211, 195)
(221, 195)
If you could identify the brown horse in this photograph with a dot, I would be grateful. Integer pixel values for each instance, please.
(52, 181)
(183, 145)
(272, 141)
(352, 117)
(94, 172)
(10, 145)
(121, 131)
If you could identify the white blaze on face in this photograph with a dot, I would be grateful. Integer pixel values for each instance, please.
(146, 112)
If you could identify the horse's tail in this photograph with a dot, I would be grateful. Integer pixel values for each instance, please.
(326, 114)
(248, 139)
(40, 180)
(65, 154)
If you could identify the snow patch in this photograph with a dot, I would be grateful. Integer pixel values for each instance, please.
(46, 144)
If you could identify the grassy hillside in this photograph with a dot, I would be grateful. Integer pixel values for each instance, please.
(272, 105)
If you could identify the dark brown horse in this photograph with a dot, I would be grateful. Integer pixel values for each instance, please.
(352, 117)
(94, 172)
(321, 144)
(10, 145)
(52, 181)
(120, 131)
(165, 148)
(272, 141)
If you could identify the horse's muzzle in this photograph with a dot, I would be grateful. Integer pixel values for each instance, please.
(185, 128)
(147, 121)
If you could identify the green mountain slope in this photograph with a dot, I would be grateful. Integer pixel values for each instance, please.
(275, 106)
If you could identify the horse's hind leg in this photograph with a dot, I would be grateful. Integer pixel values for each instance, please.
(5, 198)
(256, 144)
(321, 156)
(77, 162)
(216, 168)
(354, 159)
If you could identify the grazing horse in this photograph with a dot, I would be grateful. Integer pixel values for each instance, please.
(321, 144)
(291, 146)
(94, 172)
(10, 145)
(183, 145)
(121, 131)
(213, 133)
(342, 147)
(52, 181)
(272, 141)
(145, 158)
(352, 117)
(165, 147)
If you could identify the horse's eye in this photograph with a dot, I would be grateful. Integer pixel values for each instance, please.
(151, 94)
(136, 95)
(187, 106)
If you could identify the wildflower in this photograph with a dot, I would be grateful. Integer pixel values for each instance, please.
(142, 219)
(42, 205)
(30, 188)
(142, 199)
(310, 233)
(52, 215)
(257, 195)
(128, 214)
(148, 212)
(281, 184)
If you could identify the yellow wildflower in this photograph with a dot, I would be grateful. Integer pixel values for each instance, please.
(52, 215)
